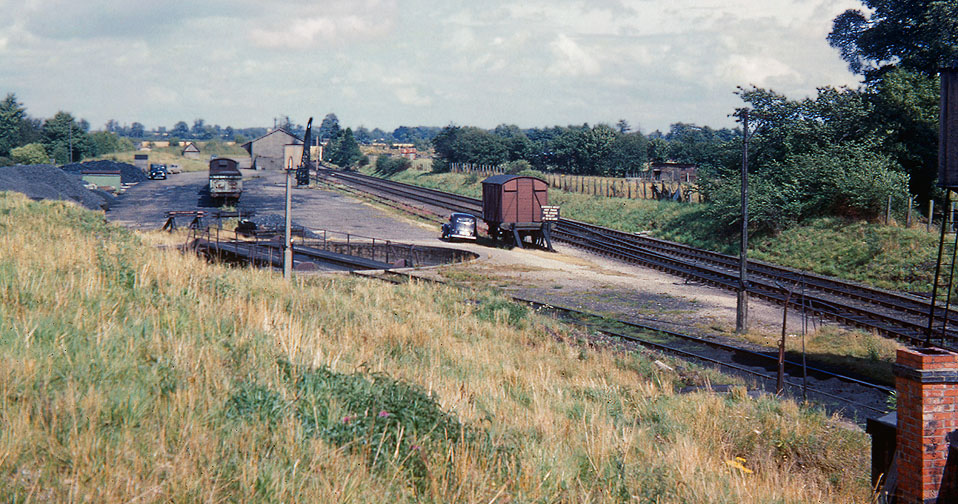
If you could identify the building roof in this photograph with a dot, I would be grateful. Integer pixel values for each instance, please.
(191, 147)
(505, 177)
(100, 171)
(296, 139)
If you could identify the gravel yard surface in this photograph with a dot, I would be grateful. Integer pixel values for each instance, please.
(144, 206)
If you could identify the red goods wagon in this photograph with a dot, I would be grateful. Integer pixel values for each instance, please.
(512, 204)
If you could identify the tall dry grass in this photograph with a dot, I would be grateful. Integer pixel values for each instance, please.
(130, 373)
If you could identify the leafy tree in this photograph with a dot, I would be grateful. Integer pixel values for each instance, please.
(905, 119)
(623, 126)
(180, 130)
(343, 150)
(379, 135)
(199, 131)
(628, 154)
(229, 133)
(60, 133)
(137, 130)
(329, 128)
(362, 135)
(12, 117)
(30, 154)
(918, 35)
(105, 142)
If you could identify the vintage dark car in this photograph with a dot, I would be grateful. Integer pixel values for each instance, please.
(157, 171)
(461, 226)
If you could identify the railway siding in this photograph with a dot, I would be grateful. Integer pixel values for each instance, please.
(895, 314)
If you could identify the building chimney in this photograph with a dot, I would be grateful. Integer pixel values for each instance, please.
(926, 380)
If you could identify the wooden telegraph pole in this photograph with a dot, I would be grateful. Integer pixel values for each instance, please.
(741, 307)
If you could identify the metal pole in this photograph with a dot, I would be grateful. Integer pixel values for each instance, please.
(934, 287)
(780, 382)
(741, 307)
(288, 242)
(804, 364)
(931, 214)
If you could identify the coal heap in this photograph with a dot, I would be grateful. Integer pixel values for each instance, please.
(40, 182)
(128, 173)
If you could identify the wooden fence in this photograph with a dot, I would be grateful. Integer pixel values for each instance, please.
(631, 188)
(610, 187)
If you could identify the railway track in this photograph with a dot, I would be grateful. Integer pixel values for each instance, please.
(853, 397)
(894, 314)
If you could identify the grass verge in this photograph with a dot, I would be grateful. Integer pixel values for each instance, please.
(133, 373)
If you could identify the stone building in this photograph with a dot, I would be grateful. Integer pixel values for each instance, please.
(268, 152)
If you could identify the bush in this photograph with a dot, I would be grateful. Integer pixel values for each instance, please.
(388, 165)
(29, 154)
(850, 180)
(516, 167)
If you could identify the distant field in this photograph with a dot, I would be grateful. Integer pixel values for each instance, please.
(134, 373)
(169, 155)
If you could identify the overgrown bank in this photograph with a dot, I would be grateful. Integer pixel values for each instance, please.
(132, 373)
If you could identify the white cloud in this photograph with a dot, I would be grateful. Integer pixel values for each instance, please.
(762, 71)
(410, 95)
(571, 59)
(533, 63)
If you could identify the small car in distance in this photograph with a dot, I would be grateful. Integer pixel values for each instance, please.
(157, 171)
(174, 168)
(460, 226)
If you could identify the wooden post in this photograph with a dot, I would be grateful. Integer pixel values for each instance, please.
(628, 185)
(888, 211)
(780, 382)
(908, 212)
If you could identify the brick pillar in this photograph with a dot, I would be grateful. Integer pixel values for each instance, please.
(926, 380)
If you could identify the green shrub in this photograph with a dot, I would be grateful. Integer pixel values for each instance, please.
(29, 154)
(849, 180)
(388, 165)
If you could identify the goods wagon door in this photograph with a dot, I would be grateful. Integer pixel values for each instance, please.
(540, 193)
(491, 196)
(510, 195)
(526, 204)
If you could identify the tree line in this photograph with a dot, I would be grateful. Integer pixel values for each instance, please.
(582, 150)
(60, 139)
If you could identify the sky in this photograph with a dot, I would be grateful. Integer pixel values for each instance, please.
(387, 63)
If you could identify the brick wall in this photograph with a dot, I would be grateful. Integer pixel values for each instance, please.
(926, 381)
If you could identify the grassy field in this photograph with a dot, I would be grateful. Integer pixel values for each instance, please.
(890, 257)
(130, 372)
(168, 155)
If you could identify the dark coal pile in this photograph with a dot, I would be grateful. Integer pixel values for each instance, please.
(49, 182)
(268, 224)
(128, 173)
